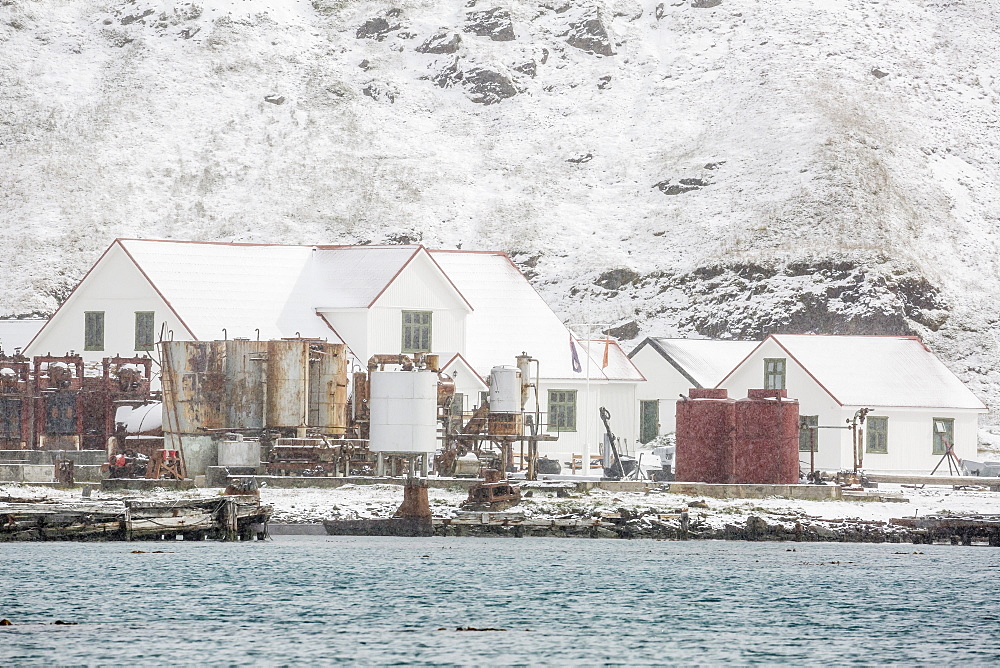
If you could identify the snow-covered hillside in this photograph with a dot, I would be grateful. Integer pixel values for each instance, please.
(699, 167)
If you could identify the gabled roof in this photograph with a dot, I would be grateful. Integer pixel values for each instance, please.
(877, 371)
(619, 367)
(271, 288)
(456, 361)
(237, 287)
(356, 276)
(510, 317)
(704, 362)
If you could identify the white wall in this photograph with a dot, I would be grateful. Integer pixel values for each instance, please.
(352, 326)
(116, 287)
(911, 440)
(419, 287)
(618, 397)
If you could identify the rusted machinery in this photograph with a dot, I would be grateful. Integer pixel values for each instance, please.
(319, 457)
(15, 402)
(499, 423)
(50, 403)
(124, 381)
(287, 388)
(59, 407)
(493, 494)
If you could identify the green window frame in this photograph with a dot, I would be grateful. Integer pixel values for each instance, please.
(944, 430)
(562, 410)
(774, 373)
(144, 329)
(806, 435)
(93, 330)
(877, 435)
(417, 331)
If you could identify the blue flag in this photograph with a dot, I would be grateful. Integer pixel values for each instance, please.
(576, 358)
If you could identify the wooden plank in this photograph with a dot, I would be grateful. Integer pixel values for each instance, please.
(932, 480)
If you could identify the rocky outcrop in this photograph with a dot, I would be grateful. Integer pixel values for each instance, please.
(488, 86)
(379, 92)
(443, 41)
(376, 28)
(589, 33)
(485, 85)
(493, 23)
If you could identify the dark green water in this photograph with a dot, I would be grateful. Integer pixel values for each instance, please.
(318, 600)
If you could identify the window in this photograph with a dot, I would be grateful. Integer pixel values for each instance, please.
(93, 330)
(877, 435)
(416, 331)
(649, 420)
(484, 398)
(774, 373)
(808, 438)
(562, 410)
(944, 435)
(144, 330)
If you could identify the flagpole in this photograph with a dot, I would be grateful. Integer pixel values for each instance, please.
(589, 415)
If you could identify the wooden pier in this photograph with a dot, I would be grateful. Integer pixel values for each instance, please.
(222, 517)
(956, 529)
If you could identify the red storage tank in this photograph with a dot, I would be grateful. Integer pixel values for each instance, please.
(766, 447)
(706, 424)
(753, 440)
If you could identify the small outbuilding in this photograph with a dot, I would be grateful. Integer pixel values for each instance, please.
(917, 406)
(671, 367)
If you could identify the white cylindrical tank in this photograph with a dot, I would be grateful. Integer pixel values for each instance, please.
(505, 389)
(403, 410)
(239, 453)
(141, 419)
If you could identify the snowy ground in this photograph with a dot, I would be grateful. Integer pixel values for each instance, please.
(368, 501)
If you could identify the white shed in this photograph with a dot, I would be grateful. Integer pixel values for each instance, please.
(917, 404)
(672, 367)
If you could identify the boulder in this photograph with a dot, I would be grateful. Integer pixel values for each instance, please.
(493, 23)
(376, 28)
(488, 86)
(588, 33)
(443, 41)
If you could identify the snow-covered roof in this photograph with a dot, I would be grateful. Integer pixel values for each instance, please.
(704, 362)
(878, 371)
(355, 276)
(276, 289)
(16, 334)
(237, 287)
(510, 318)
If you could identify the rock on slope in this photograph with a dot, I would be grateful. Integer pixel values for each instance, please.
(701, 167)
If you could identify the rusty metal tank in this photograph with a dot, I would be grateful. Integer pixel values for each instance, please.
(328, 387)
(287, 394)
(245, 367)
(766, 440)
(706, 422)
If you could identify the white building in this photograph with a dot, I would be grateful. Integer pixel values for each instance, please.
(672, 367)
(474, 309)
(917, 404)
